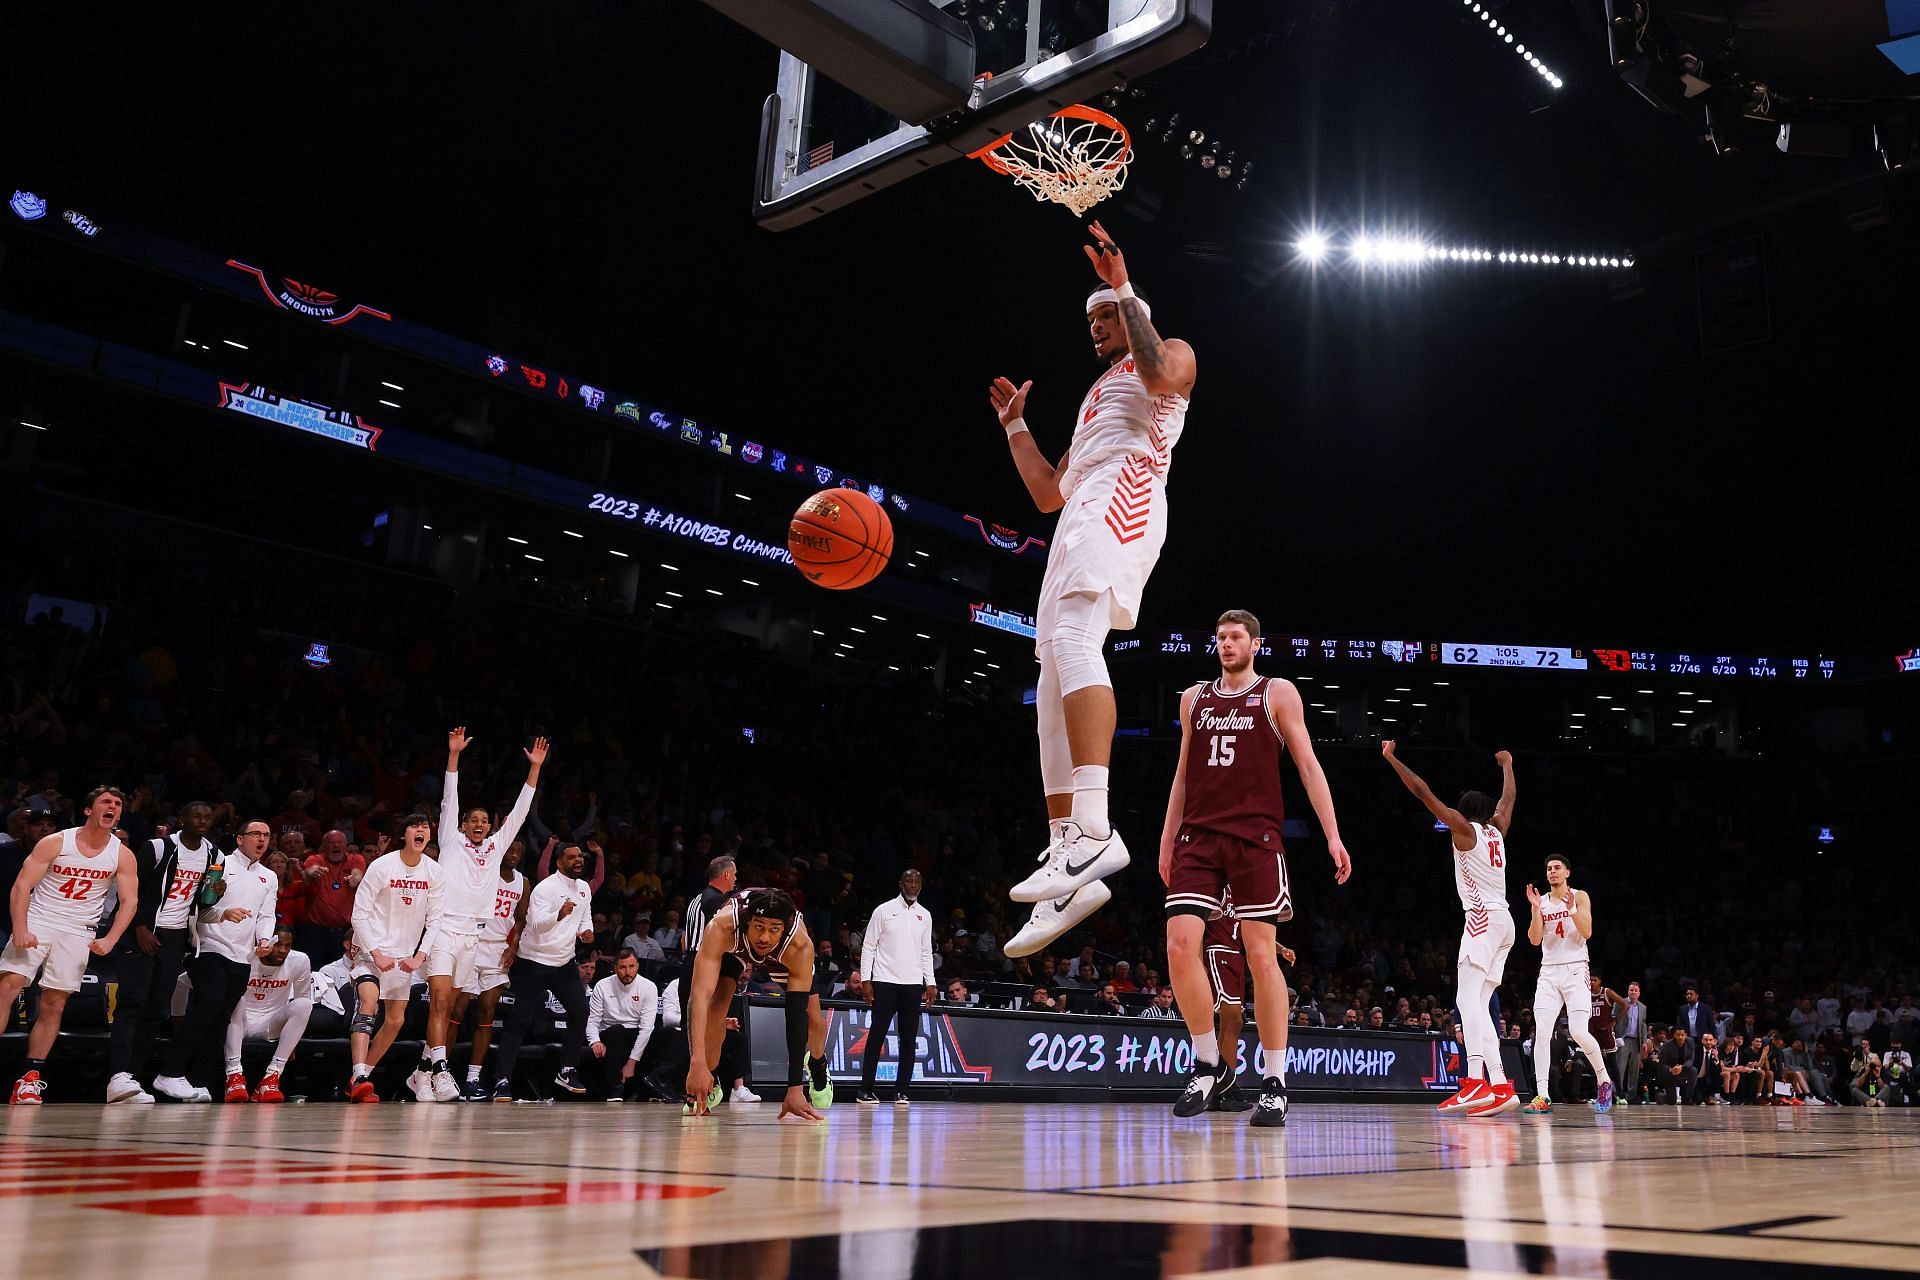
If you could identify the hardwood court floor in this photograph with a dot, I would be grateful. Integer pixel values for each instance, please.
(990, 1192)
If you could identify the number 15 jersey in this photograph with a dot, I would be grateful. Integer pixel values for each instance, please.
(1480, 874)
(1233, 764)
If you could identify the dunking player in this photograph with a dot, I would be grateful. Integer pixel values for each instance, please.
(1479, 831)
(757, 927)
(1222, 834)
(56, 903)
(491, 963)
(470, 849)
(1560, 925)
(1110, 489)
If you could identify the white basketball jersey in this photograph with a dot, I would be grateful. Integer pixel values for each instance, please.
(270, 987)
(506, 900)
(1480, 873)
(1560, 940)
(72, 896)
(1118, 420)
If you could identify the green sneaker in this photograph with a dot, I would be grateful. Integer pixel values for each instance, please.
(714, 1098)
(819, 1084)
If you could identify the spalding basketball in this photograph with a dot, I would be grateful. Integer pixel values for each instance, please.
(840, 539)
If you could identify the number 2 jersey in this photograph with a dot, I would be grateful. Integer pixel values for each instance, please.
(1233, 764)
(72, 896)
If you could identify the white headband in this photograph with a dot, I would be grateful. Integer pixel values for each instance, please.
(1104, 294)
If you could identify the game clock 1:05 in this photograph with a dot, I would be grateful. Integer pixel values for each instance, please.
(1507, 655)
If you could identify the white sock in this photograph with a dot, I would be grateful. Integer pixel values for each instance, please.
(473, 1072)
(1496, 1072)
(361, 1071)
(1057, 829)
(1090, 800)
(233, 1066)
(1277, 1065)
(275, 1067)
(1206, 1048)
(437, 1053)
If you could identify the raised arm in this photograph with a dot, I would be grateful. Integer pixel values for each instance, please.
(1289, 716)
(510, 825)
(1041, 477)
(1463, 836)
(1166, 365)
(1177, 794)
(1503, 812)
(457, 741)
(1536, 927)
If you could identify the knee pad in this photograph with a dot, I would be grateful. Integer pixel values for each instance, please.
(364, 1024)
(1074, 645)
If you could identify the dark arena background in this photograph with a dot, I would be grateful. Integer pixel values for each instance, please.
(373, 382)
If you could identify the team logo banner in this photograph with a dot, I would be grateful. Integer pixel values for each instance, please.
(301, 415)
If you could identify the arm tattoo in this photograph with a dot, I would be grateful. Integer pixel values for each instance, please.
(1149, 352)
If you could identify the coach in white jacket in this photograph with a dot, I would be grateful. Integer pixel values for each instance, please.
(620, 1018)
(897, 971)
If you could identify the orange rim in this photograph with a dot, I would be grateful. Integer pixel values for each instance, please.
(986, 156)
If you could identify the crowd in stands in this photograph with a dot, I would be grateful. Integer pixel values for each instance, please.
(191, 684)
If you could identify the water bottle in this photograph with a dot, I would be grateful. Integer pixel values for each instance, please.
(210, 884)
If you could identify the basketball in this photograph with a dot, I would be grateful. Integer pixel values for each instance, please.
(840, 539)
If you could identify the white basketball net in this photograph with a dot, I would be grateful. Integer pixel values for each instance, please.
(1077, 163)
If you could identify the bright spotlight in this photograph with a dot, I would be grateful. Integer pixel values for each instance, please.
(1311, 246)
(1361, 248)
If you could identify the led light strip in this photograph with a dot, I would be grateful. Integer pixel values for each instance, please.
(1367, 250)
(1505, 36)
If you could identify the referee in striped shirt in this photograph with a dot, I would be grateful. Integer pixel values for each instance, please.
(721, 875)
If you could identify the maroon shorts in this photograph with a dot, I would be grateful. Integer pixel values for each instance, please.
(1227, 970)
(1205, 862)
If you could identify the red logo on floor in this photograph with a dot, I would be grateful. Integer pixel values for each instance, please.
(233, 1184)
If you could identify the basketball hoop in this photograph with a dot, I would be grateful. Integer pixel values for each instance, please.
(1076, 157)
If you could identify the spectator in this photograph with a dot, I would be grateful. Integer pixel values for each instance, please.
(1802, 1022)
(1897, 1067)
(1083, 969)
(1858, 1020)
(621, 1013)
(1351, 1019)
(1149, 982)
(669, 934)
(956, 993)
(1696, 1018)
(293, 819)
(1796, 1065)
(1377, 1019)
(1109, 1001)
(1044, 1001)
(295, 896)
(1122, 978)
(1161, 1006)
(334, 876)
(1679, 1073)
(644, 945)
(1869, 1083)
(1630, 1017)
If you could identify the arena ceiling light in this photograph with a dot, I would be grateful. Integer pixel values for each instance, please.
(610, 551)
(393, 385)
(1413, 250)
(573, 534)
(521, 542)
(1498, 30)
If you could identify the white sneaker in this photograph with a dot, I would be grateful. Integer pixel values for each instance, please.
(743, 1094)
(180, 1090)
(1048, 857)
(1054, 917)
(445, 1087)
(421, 1082)
(1077, 861)
(124, 1088)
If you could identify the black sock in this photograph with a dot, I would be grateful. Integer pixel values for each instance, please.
(36, 1064)
(818, 1066)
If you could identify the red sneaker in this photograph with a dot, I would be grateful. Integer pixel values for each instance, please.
(269, 1089)
(236, 1088)
(1472, 1093)
(362, 1091)
(27, 1090)
(1500, 1097)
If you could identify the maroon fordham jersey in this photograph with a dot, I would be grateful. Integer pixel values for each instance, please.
(1223, 931)
(1233, 765)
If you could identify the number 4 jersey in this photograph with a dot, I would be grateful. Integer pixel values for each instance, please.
(1233, 764)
